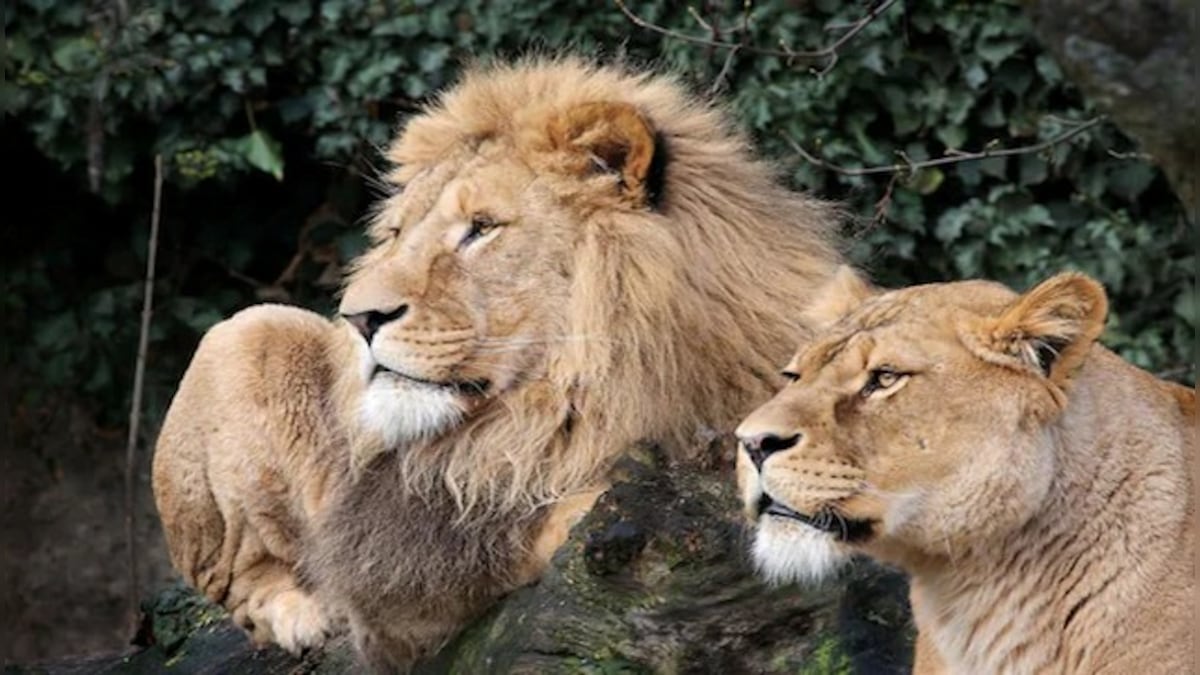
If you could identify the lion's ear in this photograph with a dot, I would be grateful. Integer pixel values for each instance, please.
(609, 137)
(1052, 326)
(844, 291)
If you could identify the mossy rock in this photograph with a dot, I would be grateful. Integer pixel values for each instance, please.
(654, 580)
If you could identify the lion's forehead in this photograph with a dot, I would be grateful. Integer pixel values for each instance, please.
(910, 321)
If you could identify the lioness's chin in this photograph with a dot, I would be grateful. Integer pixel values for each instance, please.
(401, 411)
(787, 551)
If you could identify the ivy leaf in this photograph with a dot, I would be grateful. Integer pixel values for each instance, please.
(295, 13)
(1186, 306)
(257, 17)
(927, 181)
(975, 76)
(950, 225)
(951, 135)
(1130, 179)
(1031, 169)
(262, 152)
(226, 7)
(996, 52)
(1048, 68)
(74, 54)
(433, 58)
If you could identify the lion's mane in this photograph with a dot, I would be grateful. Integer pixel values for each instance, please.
(679, 314)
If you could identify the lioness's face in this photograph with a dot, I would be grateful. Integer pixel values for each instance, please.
(461, 293)
(913, 426)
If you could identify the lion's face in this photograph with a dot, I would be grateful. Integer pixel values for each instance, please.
(460, 294)
(916, 424)
(466, 291)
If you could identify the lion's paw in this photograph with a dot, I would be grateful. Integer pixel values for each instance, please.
(296, 621)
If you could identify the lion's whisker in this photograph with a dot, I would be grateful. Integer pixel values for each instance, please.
(541, 341)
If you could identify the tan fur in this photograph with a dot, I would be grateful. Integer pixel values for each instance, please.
(1034, 485)
(633, 278)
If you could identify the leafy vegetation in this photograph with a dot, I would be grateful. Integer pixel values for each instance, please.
(269, 116)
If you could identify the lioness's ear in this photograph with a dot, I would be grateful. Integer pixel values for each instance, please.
(1051, 327)
(609, 137)
(844, 291)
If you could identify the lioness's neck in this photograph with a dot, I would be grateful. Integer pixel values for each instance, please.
(1113, 537)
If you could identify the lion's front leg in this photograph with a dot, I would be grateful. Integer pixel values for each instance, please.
(241, 467)
(395, 645)
(409, 571)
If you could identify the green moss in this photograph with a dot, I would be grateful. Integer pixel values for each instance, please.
(829, 658)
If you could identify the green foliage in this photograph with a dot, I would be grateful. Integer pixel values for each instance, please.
(943, 76)
(270, 115)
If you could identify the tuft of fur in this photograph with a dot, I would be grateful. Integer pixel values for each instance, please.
(787, 552)
(656, 295)
(1040, 500)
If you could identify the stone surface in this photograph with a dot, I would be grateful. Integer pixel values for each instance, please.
(654, 580)
(1136, 60)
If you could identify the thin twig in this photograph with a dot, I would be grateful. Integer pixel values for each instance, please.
(881, 206)
(1173, 373)
(700, 20)
(1140, 156)
(719, 81)
(952, 157)
(827, 52)
(135, 406)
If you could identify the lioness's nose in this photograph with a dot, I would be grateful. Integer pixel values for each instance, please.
(762, 446)
(368, 323)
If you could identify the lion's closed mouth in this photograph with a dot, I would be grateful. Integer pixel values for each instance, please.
(464, 387)
(827, 520)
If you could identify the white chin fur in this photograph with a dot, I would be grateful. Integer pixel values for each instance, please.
(401, 411)
(785, 551)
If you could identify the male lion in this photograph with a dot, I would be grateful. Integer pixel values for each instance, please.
(574, 258)
(1036, 487)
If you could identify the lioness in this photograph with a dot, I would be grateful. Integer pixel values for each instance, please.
(1035, 486)
(574, 258)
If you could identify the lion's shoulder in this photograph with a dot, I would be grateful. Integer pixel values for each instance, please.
(265, 341)
(264, 360)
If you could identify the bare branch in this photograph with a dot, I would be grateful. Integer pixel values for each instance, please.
(826, 53)
(135, 406)
(700, 20)
(881, 206)
(719, 81)
(952, 156)
(1175, 373)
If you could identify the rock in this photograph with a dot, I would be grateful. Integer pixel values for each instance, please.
(654, 580)
(1135, 60)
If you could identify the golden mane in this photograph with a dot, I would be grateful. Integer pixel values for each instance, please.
(679, 316)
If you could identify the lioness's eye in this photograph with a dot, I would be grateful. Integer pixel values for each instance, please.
(881, 378)
(790, 376)
(481, 224)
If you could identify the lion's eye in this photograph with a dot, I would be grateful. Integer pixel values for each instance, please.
(481, 224)
(880, 379)
(393, 232)
(790, 376)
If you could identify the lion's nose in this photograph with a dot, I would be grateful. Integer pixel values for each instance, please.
(761, 446)
(368, 323)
